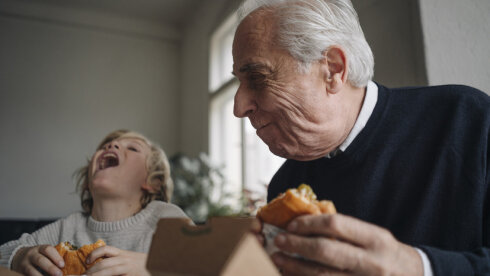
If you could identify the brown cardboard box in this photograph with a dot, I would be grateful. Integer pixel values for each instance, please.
(7, 272)
(224, 246)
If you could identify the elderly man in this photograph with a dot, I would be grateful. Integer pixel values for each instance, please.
(408, 168)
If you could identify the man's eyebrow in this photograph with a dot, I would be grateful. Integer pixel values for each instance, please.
(255, 67)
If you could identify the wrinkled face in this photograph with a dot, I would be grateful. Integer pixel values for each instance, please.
(119, 170)
(291, 111)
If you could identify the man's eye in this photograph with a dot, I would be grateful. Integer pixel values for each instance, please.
(257, 81)
(256, 77)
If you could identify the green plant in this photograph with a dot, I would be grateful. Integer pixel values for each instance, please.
(199, 188)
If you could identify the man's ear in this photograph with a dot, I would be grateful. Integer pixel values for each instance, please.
(336, 69)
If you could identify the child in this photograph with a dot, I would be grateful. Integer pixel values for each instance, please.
(124, 189)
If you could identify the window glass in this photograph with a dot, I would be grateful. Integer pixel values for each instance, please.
(260, 163)
(221, 59)
(225, 140)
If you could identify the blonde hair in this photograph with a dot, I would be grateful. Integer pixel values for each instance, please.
(157, 166)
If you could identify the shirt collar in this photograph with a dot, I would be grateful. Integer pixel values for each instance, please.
(366, 110)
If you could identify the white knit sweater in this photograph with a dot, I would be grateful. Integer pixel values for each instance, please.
(133, 233)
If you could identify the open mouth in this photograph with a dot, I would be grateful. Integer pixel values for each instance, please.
(107, 160)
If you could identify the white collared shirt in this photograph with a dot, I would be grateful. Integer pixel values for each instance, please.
(366, 110)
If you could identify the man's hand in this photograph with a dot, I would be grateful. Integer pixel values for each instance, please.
(117, 262)
(256, 229)
(36, 260)
(342, 245)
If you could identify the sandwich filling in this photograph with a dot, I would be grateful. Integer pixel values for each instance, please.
(305, 192)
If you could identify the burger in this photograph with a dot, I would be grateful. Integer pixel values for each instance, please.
(293, 203)
(75, 258)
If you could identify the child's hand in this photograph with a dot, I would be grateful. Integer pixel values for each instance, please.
(117, 262)
(36, 260)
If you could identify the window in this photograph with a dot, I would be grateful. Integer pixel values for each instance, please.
(246, 160)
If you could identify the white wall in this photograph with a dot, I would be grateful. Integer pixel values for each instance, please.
(67, 78)
(392, 29)
(457, 41)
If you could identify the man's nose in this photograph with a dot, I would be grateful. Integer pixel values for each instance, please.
(112, 145)
(245, 103)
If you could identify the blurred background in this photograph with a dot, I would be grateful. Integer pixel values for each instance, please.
(72, 71)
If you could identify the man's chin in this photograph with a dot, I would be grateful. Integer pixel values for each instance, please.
(284, 151)
(280, 150)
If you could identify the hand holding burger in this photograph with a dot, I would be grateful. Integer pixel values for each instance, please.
(293, 203)
(278, 213)
(76, 258)
(62, 259)
(310, 238)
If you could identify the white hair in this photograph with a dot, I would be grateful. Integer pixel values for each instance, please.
(307, 28)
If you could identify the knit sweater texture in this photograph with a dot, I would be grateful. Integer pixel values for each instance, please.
(133, 233)
(420, 168)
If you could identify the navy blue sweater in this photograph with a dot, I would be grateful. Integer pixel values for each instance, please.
(419, 168)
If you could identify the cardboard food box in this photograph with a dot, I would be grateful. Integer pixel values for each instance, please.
(224, 246)
(7, 272)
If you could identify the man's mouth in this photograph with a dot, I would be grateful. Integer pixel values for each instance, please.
(106, 160)
(258, 124)
(262, 126)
